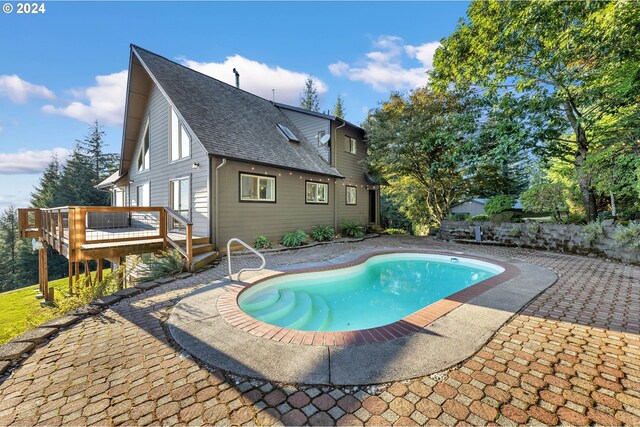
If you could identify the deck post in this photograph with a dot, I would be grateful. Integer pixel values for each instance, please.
(99, 271)
(163, 228)
(70, 278)
(76, 266)
(44, 271)
(121, 272)
(87, 274)
(189, 246)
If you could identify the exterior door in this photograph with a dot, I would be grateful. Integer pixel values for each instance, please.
(180, 197)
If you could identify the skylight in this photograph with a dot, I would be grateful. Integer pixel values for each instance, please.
(287, 132)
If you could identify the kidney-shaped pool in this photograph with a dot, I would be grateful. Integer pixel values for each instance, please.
(382, 290)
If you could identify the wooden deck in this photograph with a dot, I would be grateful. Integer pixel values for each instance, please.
(84, 233)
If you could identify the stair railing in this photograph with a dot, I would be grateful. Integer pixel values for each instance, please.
(235, 239)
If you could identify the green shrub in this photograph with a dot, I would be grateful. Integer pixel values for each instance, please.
(262, 242)
(629, 236)
(575, 218)
(352, 229)
(395, 231)
(457, 216)
(498, 204)
(507, 216)
(481, 217)
(169, 263)
(533, 227)
(294, 238)
(545, 197)
(85, 293)
(321, 233)
(515, 231)
(592, 231)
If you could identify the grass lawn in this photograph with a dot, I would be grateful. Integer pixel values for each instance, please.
(21, 311)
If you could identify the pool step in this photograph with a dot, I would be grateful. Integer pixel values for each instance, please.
(261, 299)
(300, 313)
(320, 314)
(280, 308)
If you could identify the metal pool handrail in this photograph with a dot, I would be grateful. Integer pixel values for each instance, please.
(235, 239)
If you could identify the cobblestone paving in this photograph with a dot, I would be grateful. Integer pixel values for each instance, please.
(571, 357)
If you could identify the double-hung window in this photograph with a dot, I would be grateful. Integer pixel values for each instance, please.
(317, 192)
(352, 194)
(180, 143)
(257, 188)
(350, 145)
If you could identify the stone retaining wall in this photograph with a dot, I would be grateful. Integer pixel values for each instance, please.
(553, 237)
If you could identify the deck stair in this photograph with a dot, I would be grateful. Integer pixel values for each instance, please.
(203, 252)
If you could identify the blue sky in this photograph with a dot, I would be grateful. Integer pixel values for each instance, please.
(65, 68)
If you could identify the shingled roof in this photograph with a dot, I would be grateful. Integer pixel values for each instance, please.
(230, 122)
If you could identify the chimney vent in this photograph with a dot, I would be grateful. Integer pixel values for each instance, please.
(237, 78)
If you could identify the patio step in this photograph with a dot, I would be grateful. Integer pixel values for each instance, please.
(283, 306)
(320, 314)
(261, 299)
(202, 248)
(299, 315)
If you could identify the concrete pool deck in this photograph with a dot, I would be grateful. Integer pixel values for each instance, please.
(198, 327)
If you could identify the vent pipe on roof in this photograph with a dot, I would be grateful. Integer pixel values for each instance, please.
(237, 78)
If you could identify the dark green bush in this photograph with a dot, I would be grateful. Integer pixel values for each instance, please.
(321, 233)
(457, 216)
(575, 218)
(352, 229)
(507, 216)
(169, 263)
(498, 204)
(481, 217)
(294, 238)
(262, 242)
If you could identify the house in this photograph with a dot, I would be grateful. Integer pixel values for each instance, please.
(233, 163)
(473, 207)
(203, 162)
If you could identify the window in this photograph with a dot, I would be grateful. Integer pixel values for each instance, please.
(288, 134)
(180, 198)
(180, 144)
(352, 193)
(350, 145)
(143, 156)
(142, 194)
(317, 192)
(256, 188)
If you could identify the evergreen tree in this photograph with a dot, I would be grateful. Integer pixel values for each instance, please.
(92, 146)
(338, 109)
(47, 188)
(8, 248)
(309, 98)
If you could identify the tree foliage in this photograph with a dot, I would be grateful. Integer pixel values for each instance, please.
(545, 197)
(499, 204)
(309, 99)
(414, 142)
(338, 108)
(18, 263)
(567, 64)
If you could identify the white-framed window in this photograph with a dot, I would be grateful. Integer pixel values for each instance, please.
(180, 143)
(316, 192)
(143, 155)
(352, 194)
(350, 145)
(180, 197)
(118, 197)
(142, 194)
(257, 188)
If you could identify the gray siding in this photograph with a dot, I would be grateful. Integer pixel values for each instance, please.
(247, 220)
(471, 207)
(161, 170)
(353, 168)
(310, 126)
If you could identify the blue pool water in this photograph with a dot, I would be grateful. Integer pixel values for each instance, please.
(382, 290)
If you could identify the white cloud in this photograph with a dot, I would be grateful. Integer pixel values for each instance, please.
(29, 161)
(258, 78)
(383, 67)
(18, 90)
(103, 102)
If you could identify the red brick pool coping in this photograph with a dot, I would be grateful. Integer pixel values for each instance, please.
(229, 309)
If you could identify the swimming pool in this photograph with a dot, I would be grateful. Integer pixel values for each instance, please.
(381, 290)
